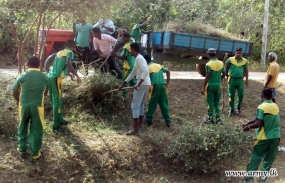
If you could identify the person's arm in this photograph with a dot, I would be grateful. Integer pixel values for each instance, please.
(144, 24)
(69, 57)
(246, 73)
(271, 73)
(167, 77)
(16, 95)
(268, 81)
(208, 74)
(132, 75)
(228, 64)
(110, 29)
(256, 123)
(16, 92)
(223, 73)
(144, 68)
(112, 40)
(96, 47)
(122, 57)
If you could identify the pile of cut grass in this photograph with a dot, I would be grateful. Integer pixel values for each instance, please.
(198, 28)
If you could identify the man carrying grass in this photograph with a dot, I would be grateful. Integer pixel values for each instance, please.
(271, 77)
(267, 135)
(29, 90)
(158, 91)
(236, 70)
(215, 72)
(61, 65)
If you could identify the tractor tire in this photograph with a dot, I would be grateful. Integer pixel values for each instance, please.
(201, 69)
(49, 62)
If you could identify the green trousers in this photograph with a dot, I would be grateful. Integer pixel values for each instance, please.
(55, 93)
(158, 95)
(233, 85)
(34, 116)
(263, 149)
(213, 101)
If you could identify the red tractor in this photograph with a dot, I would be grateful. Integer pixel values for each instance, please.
(55, 41)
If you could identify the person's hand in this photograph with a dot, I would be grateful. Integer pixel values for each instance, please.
(122, 86)
(203, 91)
(246, 128)
(113, 53)
(136, 87)
(78, 79)
(265, 86)
(226, 57)
(72, 77)
(100, 53)
(244, 125)
(246, 83)
(17, 103)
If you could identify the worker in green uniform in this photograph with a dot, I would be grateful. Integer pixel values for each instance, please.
(29, 90)
(129, 59)
(158, 91)
(137, 32)
(215, 72)
(61, 65)
(267, 135)
(236, 70)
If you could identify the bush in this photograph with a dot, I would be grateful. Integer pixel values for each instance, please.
(204, 149)
(91, 91)
(9, 112)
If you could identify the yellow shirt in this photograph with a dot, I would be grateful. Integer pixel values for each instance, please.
(272, 70)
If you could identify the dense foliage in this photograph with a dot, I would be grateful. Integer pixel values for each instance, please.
(233, 16)
(207, 149)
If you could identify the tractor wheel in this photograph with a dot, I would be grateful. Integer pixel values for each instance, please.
(49, 62)
(201, 69)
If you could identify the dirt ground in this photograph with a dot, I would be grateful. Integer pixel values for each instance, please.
(99, 151)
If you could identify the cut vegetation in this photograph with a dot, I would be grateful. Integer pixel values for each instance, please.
(97, 149)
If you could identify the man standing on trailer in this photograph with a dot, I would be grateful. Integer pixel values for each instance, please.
(83, 30)
(236, 70)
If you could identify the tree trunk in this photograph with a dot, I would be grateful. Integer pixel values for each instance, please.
(42, 45)
(37, 36)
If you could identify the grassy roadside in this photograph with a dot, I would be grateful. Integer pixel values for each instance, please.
(97, 149)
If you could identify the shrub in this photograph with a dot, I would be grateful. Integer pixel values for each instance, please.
(9, 112)
(91, 90)
(204, 149)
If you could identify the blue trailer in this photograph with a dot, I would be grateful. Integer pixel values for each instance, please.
(191, 48)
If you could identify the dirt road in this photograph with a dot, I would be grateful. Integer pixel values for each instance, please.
(174, 74)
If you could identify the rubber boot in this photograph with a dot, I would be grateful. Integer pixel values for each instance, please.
(135, 131)
(141, 118)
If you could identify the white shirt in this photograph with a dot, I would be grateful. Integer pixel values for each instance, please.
(140, 70)
(108, 23)
(104, 44)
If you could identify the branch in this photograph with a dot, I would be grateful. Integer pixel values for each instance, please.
(42, 43)
(37, 36)
(29, 31)
(12, 31)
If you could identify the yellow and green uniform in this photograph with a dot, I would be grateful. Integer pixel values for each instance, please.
(56, 74)
(235, 80)
(267, 137)
(32, 86)
(213, 89)
(157, 93)
(137, 32)
(128, 63)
